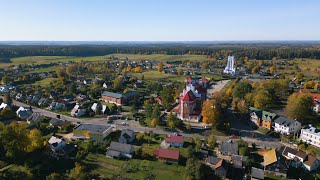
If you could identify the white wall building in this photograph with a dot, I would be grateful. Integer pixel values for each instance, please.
(230, 69)
(286, 126)
(310, 135)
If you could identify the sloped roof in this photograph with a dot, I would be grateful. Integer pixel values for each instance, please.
(284, 121)
(120, 147)
(222, 163)
(269, 157)
(257, 173)
(230, 147)
(174, 139)
(189, 96)
(213, 160)
(167, 153)
(310, 160)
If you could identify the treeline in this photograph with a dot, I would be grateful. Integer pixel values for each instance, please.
(259, 52)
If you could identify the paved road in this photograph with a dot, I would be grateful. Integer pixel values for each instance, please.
(270, 143)
(216, 87)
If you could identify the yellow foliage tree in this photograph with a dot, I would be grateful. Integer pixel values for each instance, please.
(272, 69)
(36, 140)
(137, 69)
(229, 92)
(210, 111)
(154, 122)
(160, 67)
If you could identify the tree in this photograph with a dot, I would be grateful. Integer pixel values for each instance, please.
(171, 121)
(241, 89)
(6, 79)
(193, 169)
(229, 92)
(262, 100)
(36, 140)
(167, 97)
(117, 84)
(7, 113)
(78, 172)
(273, 69)
(154, 122)
(299, 75)
(198, 143)
(140, 136)
(255, 69)
(299, 106)
(210, 111)
(121, 66)
(156, 113)
(61, 72)
(54, 176)
(180, 71)
(160, 67)
(211, 141)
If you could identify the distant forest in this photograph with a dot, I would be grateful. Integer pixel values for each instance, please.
(214, 51)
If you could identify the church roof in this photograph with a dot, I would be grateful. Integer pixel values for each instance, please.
(189, 96)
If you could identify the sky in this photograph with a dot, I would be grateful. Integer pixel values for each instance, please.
(159, 20)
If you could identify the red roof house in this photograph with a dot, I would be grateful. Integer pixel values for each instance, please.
(174, 140)
(167, 155)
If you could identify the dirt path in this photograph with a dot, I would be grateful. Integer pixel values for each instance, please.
(216, 87)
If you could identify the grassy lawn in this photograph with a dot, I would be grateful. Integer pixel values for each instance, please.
(161, 57)
(263, 130)
(45, 82)
(274, 177)
(40, 70)
(132, 169)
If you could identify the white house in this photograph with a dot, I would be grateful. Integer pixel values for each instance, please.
(56, 106)
(174, 140)
(56, 143)
(23, 113)
(4, 106)
(120, 150)
(310, 135)
(286, 126)
(77, 111)
(95, 105)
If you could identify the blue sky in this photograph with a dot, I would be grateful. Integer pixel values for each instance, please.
(159, 20)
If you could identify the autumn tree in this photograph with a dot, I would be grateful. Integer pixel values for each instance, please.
(229, 92)
(160, 67)
(273, 69)
(180, 71)
(211, 141)
(210, 111)
(36, 140)
(78, 172)
(262, 100)
(6, 79)
(299, 75)
(299, 106)
(117, 84)
(193, 169)
(241, 89)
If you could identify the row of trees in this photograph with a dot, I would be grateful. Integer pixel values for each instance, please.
(252, 51)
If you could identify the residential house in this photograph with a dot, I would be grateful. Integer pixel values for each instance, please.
(20, 97)
(117, 98)
(257, 174)
(4, 106)
(127, 136)
(35, 118)
(191, 100)
(56, 143)
(286, 126)
(261, 118)
(173, 140)
(77, 111)
(95, 107)
(92, 131)
(310, 135)
(24, 113)
(56, 106)
(271, 163)
(229, 148)
(56, 122)
(221, 168)
(43, 102)
(237, 161)
(299, 159)
(315, 97)
(120, 150)
(213, 160)
(167, 155)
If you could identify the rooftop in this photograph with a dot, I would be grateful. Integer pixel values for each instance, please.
(311, 129)
(174, 139)
(167, 153)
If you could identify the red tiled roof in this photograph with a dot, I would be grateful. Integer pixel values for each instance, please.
(203, 79)
(314, 96)
(167, 154)
(189, 96)
(188, 78)
(310, 161)
(174, 139)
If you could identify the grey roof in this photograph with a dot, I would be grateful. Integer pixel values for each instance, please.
(112, 94)
(93, 128)
(112, 153)
(35, 117)
(127, 133)
(284, 121)
(257, 173)
(121, 147)
(238, 160)
(42, 100)
(230, 147)
(213, 160)
(56, 122)
(118, 95)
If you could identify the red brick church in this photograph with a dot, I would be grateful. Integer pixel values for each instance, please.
(191, 99)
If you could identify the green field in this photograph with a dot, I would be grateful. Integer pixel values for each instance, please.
(45, 82)
(132, 169)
